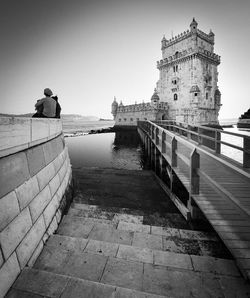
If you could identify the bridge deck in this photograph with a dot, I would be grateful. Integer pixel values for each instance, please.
(224, 198)
(222, 191)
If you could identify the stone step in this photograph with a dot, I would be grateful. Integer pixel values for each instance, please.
(120, 271)
(108, 215)
(147, 217)
(38, 283)
(138, 254)
(172, 240)
(134, 223)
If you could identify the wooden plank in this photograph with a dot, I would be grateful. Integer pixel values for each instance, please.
(243, 263)
(222, 212)
(241, 253)
(234, 236)
(231, 229)
(231, 217)
(237, 244)
(239, 223)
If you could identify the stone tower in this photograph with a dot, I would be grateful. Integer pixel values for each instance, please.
(189, 76)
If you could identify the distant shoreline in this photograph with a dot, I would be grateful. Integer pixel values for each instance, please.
(92, 131)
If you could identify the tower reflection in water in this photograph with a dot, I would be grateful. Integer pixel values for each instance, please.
(106, 150)
(127, 151)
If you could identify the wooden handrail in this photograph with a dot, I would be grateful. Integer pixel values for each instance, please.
(216, 140)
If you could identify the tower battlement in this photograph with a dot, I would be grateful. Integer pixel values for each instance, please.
(189, 54)
(187, 89)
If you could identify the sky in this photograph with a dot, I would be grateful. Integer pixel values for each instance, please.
(87, 52)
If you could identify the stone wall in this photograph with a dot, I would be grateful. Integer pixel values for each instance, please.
(35, 178)
(129, 115)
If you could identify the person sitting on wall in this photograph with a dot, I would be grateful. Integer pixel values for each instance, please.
(58, 107)
(47, 105)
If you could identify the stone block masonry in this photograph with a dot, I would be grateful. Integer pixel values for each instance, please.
(35, 184)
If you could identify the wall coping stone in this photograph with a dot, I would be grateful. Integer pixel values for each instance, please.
(20, 133)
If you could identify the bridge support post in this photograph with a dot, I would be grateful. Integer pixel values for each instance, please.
(246, 155)
(163, 142)
(189, 135)
(217, 142)
(148, 147)
(152, 132)
(163, 172)
(173, 152)
(157, 136)
(157, 162)
(199, 136)
(194, 184)
(194, 176)
(152, 156)
(173, 161)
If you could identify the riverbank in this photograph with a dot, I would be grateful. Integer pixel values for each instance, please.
(75, 127)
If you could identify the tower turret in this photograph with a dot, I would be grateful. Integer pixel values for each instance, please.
(155, 98)
(211, 35)
(163, 42)
(193, 26)
(114, 108)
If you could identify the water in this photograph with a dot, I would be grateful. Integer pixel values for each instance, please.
(235, 154)
(120, 150)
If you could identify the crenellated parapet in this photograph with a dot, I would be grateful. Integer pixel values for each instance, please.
(187, 34)
(207, 37)
(189, 54)
(142, 107)
(180, 37)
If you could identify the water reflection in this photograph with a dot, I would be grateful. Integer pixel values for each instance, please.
(127, 150)
(120, 150)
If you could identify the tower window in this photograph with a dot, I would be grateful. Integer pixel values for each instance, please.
(176, 67)
(125, 119)
(195, 94)
(175, 96)
(206, 95)
(131, 119)
(120, 120)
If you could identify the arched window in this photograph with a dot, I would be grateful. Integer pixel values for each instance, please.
(175, 96)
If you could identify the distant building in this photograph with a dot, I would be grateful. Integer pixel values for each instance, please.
(187, 89)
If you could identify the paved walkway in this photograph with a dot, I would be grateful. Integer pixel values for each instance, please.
(124, 251)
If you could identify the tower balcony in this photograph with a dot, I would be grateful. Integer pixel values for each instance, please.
(185, 55)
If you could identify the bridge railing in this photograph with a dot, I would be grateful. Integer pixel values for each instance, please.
(210, 138)
(178, 152)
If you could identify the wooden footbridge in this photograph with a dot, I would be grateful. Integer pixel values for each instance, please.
(213, 185)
